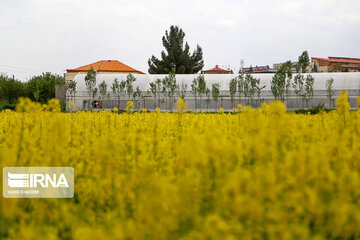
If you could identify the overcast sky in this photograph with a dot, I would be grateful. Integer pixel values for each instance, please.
(55, 35)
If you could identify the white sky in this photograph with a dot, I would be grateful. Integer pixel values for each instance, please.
(54, 35)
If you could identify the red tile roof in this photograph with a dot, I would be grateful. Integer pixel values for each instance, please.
(338, 60)
(217, 69)
(106, 66)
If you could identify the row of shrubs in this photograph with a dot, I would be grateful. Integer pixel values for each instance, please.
(39, 88)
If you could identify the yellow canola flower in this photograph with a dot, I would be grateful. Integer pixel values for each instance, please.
(129, 106)
(181, 105)
(264, 173)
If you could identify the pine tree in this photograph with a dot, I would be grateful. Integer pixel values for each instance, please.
(177, 55)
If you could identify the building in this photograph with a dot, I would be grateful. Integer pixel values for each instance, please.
(335, 64)
(258, 69)
(217, 70)
(103, 67)
(82, 99)
(277, 66)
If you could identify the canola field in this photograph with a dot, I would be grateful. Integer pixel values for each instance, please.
(256, 174)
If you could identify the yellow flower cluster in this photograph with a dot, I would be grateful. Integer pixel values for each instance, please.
(181, 105)
(257, 174)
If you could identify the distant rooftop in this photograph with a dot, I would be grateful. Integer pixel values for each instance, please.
(106, 66)
(216, 69)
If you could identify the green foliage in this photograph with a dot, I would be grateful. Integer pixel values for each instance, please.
(314, 110)
(281, 81)
(10, 89)
(128, 84)
(329, 89)
(90, 82)
(42, 88)
(241, 85)
(315, 68)
(169, 85)
(103, 90)
(303, 62)
(72, 89)
(215, 90)
(182, 88)
(233, 87)
(6, 105)
(309, 88)
(177, 55)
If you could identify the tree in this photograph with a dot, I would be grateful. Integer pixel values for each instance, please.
(72, 90)
(281, 81)
(315, 68)
(201, 87)
(153, 91)
(177, 55)
(309, 88)
(10, 89)
(42, 87)
(195, 89)
(303, 62)
(258, 88)
(207, 93)
(298, 86)
(169, 87)
(330, 91)
(128, 85)
(90, 82)
(137, 94)
(182, 88)
(103, 90)
(241, 85)
(215, 90)
(115, 88)
(232, 89)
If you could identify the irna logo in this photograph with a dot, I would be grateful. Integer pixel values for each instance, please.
(17, 180)
(38, 182)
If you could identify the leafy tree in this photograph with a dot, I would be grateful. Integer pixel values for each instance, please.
(298, 86)
(195, 89)
(158, 84)
(177, 55)
(137, 94)
(303, 62)
(115, 88)
(90, 82)
(241, 86)
(281, 81)
(309, 88)
(169, 86)
(315, 68)
(72, 89)
(42, 87)
(182, 88)
(103, 90)
(208, 94)
(130, 79)
(330, 91)
(215, 90)
(10, 89)
(258, 88)
(201, 87)
(252, 86)
(232, 89)
(153, 91)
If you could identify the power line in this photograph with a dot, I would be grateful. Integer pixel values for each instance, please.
(21, 68)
